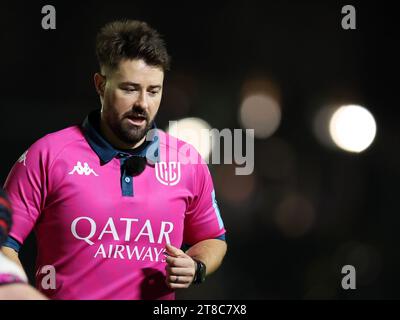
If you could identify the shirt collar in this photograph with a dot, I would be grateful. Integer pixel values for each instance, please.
(106, 152)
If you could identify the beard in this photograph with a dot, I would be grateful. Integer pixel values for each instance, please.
(125, 130)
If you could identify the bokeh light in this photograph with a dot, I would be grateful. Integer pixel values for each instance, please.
(234, 189)
(295, 215)
(352, 128)
(260, 109)
(321, 126)
(194, 131)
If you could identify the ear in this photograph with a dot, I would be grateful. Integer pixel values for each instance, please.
(99, 83)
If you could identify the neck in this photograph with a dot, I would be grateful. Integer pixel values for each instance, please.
(113, 139)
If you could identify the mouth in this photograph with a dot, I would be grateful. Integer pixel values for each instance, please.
(137, 120)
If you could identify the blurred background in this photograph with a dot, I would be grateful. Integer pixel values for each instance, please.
(321, 100)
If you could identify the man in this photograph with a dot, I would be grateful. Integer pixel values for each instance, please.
(13, 281)
(110, 201)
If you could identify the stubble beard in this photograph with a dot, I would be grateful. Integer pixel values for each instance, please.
(127, 132)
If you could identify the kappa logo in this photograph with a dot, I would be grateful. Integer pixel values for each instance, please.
(83, 170)
(168, 174)
(22, 158)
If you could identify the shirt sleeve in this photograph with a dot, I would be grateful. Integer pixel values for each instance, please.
(12, 243)
(26, 189)
(203, 219)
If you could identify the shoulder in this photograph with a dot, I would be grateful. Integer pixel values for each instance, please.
(61, 138)
(54, 142)
(50, 146)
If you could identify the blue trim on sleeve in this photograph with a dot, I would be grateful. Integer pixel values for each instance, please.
(216, 209)
(12, 243)
(221, 237)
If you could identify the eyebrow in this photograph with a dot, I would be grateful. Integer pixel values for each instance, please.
(129, 83)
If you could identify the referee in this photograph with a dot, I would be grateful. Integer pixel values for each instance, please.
(113, 200)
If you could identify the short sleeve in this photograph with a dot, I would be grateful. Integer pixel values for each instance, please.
(26, 189)
(203, 219)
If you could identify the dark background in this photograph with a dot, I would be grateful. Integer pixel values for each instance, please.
(46, 85)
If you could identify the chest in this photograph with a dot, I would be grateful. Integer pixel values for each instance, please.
(88, 200)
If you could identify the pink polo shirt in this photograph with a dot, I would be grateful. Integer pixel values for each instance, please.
(103, 231)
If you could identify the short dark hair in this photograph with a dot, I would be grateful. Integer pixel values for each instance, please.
(130, 39)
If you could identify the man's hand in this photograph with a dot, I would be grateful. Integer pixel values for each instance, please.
(180, 267)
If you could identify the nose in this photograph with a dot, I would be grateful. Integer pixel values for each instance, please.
(142, 100)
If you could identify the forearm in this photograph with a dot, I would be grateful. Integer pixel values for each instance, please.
(19, 291)
(12, 255)
(211, 252)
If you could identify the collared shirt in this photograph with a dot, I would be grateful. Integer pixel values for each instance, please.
(104, 235)
(106, 152)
